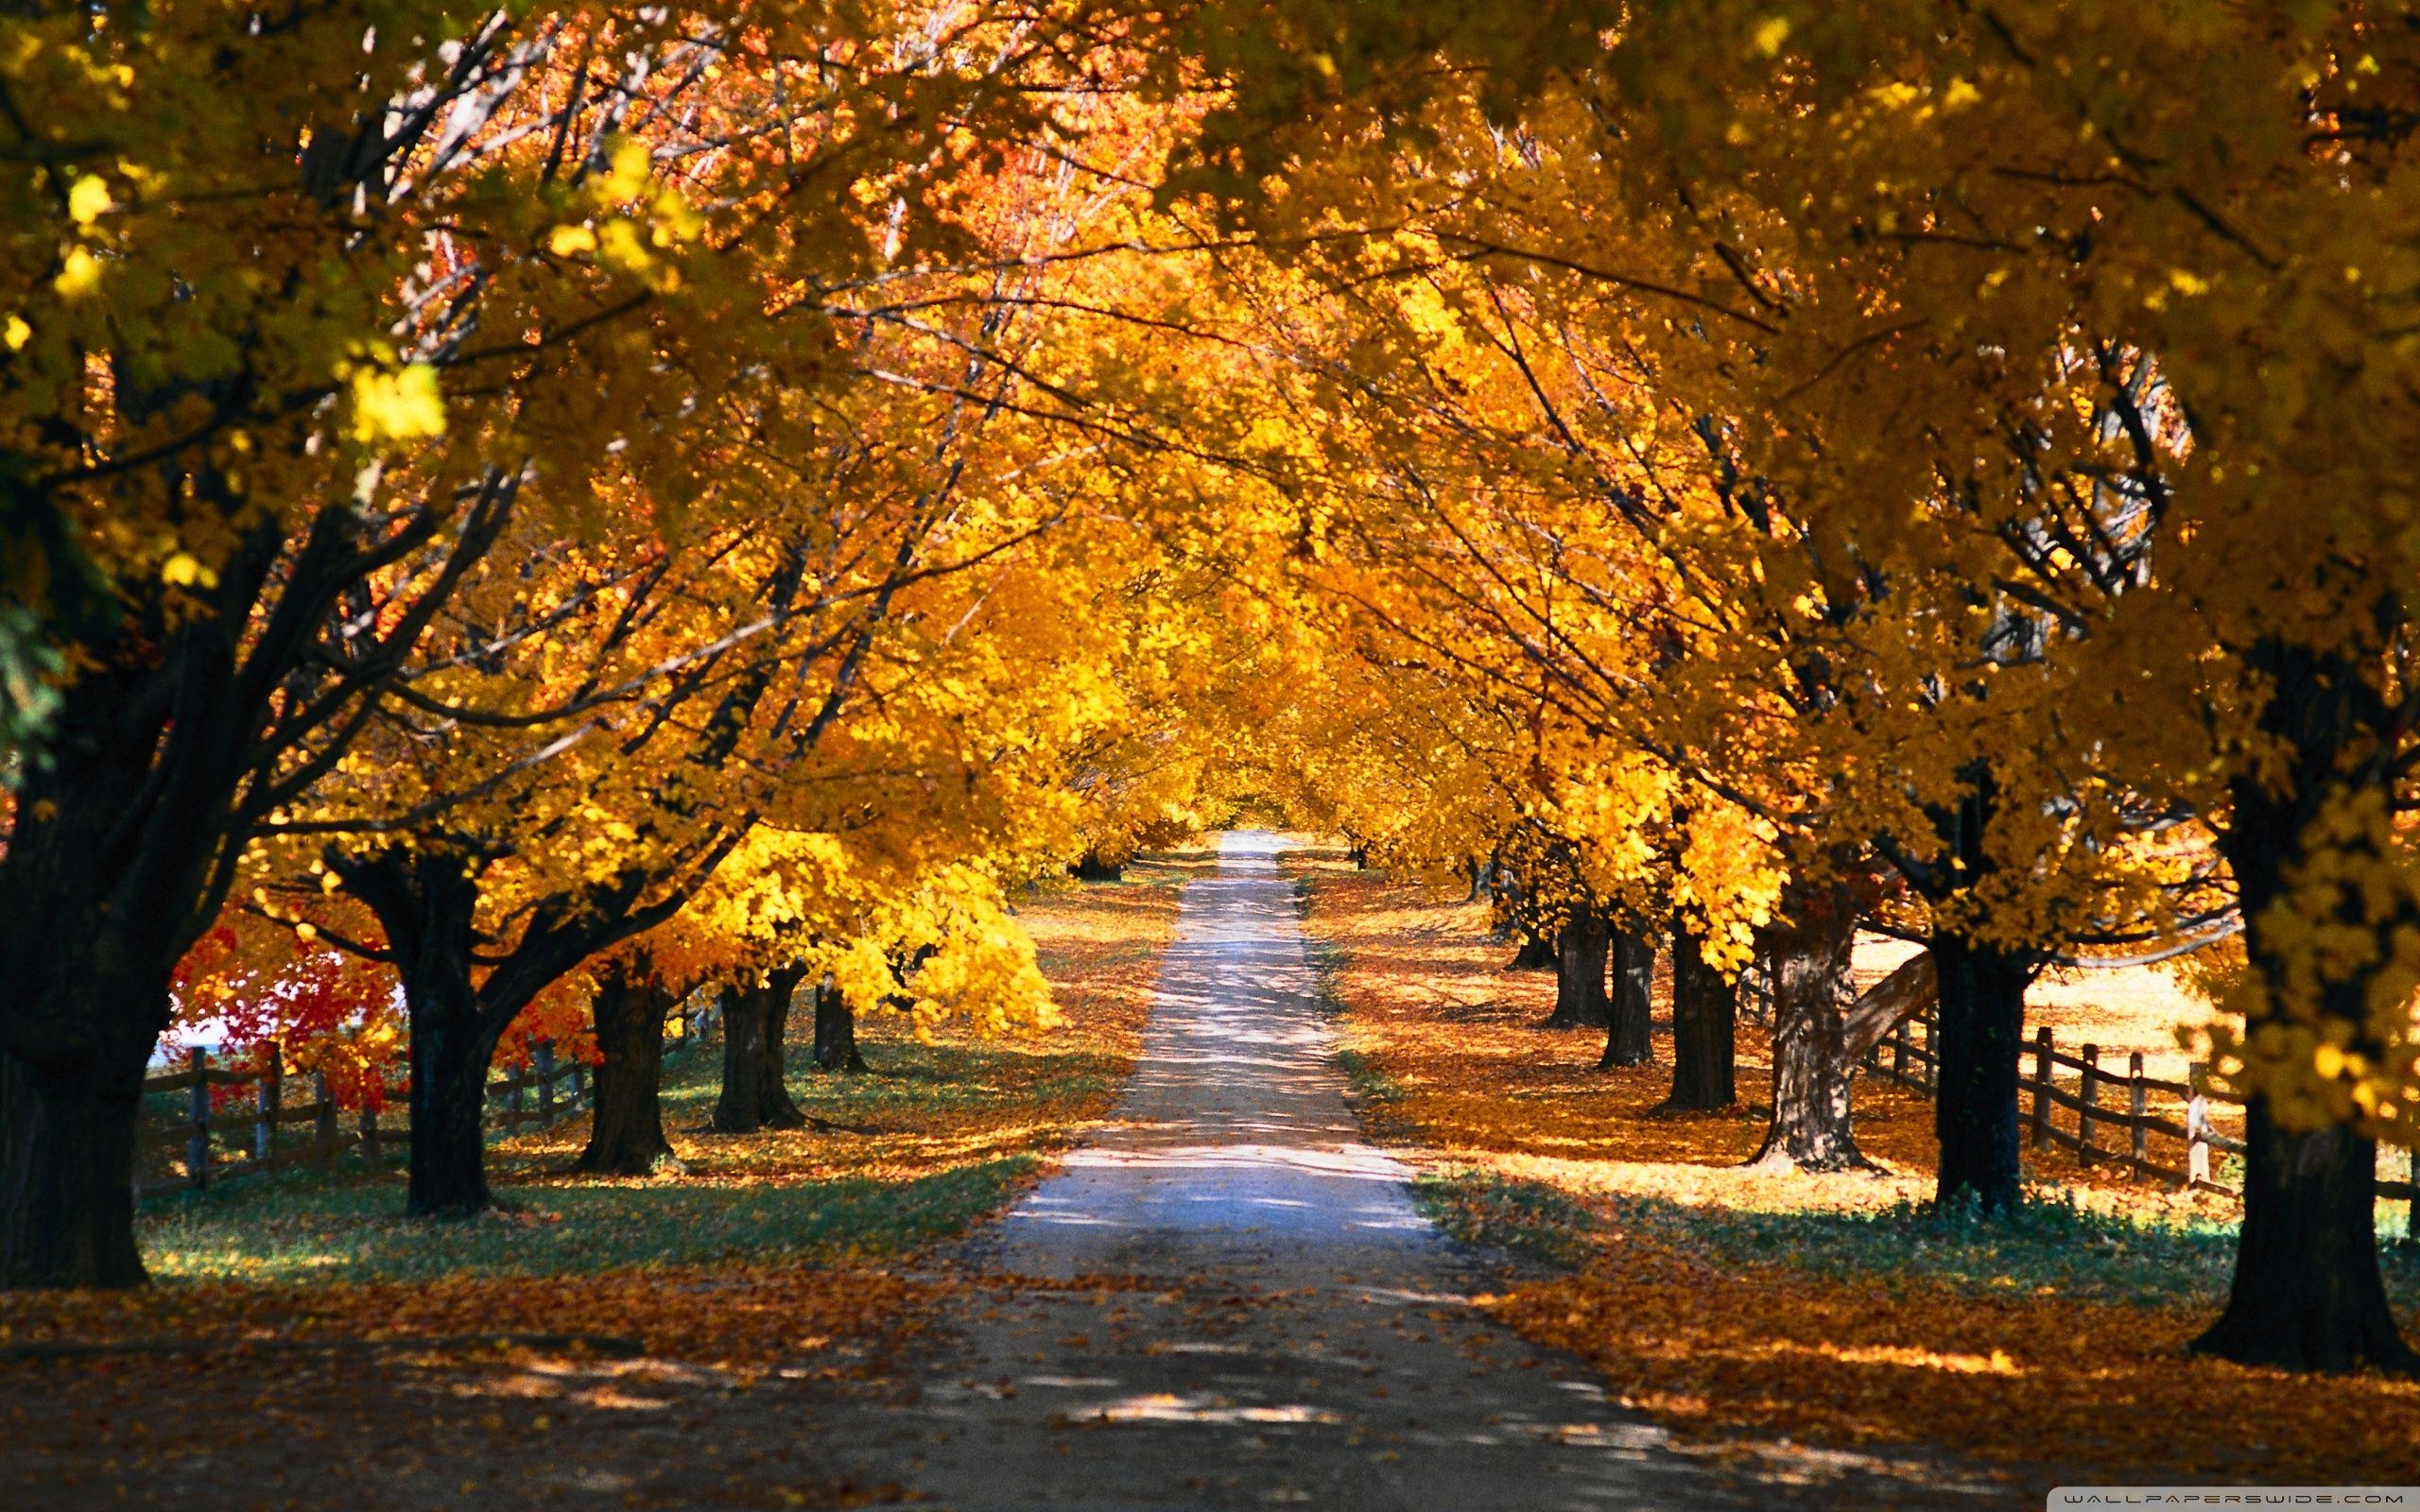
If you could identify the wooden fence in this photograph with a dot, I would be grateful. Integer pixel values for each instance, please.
(2113, 1116)
(263, 1138)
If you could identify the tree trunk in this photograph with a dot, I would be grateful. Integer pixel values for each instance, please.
(1982, 1030)
(625, 1137)
(1706, 1010)
(450, 1055)
(105, 873)
(1886, 1003)
(773, 1094)
(1580, 953)
(1809, 954)
(756, 1093)
(123, 843)
(740, 1109)
(2308, 1294)
(427, 898)
(68, 1181)
(1629, 1033)
(836, 1031)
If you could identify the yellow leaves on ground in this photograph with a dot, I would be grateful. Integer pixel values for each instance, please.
(88, 200)
(728, 1315)
(80, 274)
(1770, 1351)
(339, 1376)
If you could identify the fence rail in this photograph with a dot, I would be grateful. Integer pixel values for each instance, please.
(545, 1094)
(2128, 1111)
(263, 1125)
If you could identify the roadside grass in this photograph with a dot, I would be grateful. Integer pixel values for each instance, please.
(2046, 1247)
(1527, 1217)
(1736, 1307)
(1367, 1082)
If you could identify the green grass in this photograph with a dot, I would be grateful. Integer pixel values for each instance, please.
(2045, 1244)
(1527, 1217)
(1368, 1082)
(907, 1079)
(286, 1232)
(348, 1225)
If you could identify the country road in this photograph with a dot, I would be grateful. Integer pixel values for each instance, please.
(1247, 1309)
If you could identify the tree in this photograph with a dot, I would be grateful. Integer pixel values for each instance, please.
(1705, 1006)
(755, 1017)
(1631, 1023)
(630, 1005)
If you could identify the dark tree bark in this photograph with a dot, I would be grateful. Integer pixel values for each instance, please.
(1580, 947)
(781, 1110)
(451, 1050)
(1631, 1028)
(2308, 1294)
(1981, 991)
(428, 899)
(1809, 952)
(69, 1170)
(1091, 867)
(755, 1015)
(740, 1108)
(1980, 988)
(625, 1137)
(121, 847)
(1706, 1010)
(836, 1031)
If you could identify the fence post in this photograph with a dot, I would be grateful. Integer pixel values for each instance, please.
(2412, 1208)
(197, 1138)
(323, 1127)
(541, 1062)
(1931, 1070)
(2088, 1093)
(513, 1084)
(2134, 1107)
(370, 1153)
(2197, 1125)
(579, 1084)
(1900, 1051)
(269, 1097)
(2041, 1085)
